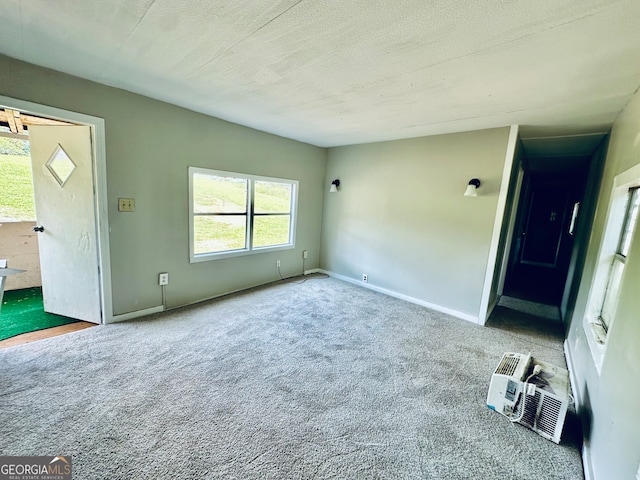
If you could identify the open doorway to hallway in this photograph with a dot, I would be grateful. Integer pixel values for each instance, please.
(545, 229)
(551, 222)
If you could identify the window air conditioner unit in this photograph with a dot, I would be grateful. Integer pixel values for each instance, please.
(530, 392)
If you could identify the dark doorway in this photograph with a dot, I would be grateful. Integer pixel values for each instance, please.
(543, 239)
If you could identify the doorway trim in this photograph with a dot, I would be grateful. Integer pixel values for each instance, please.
(487, 304)
(98, 146)
(511, 229)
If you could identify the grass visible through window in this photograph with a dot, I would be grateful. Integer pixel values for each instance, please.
(220, 212)
(16, 189)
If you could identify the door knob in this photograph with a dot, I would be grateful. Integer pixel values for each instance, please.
(38, 228)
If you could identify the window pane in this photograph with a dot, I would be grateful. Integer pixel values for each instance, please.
(214, 233)
(271, 230)
(611, 295)
(630, 221)
(16, 186)
(213, 194)
(271, 197)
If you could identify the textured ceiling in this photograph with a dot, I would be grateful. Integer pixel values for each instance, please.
(341, 72)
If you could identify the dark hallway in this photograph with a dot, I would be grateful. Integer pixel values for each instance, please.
(543, 239)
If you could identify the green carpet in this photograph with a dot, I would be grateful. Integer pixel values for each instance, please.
(23, 312)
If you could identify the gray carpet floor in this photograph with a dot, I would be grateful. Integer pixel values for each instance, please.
(313, 380)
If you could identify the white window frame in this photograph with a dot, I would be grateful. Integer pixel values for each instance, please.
(595, 332)
(249, 249)
(618, 262)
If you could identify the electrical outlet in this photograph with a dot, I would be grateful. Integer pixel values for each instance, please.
(163, 279)
(126, 205)
(278, 263)
(365, 278)
(305, 254)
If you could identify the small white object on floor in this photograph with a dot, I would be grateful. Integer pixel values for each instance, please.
(4, 272)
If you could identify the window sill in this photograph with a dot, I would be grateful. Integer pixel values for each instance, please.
(206, 257)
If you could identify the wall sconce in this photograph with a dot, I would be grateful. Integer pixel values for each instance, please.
(334, 186)
(471, 188)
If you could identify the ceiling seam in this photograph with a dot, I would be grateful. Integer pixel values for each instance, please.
(628, 100)
(479, 51)
(204, 65)
(120, 47)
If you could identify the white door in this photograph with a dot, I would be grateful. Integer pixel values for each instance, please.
(63, 184)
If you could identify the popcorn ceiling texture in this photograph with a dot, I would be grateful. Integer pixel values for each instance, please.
(337, 73)
(312, 380)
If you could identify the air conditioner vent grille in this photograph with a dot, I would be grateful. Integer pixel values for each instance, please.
(531, 408)
(549, 413)
(508, 365)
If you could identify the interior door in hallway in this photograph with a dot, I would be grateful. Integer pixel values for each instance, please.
(543, 245)
(542, 233)
(65, 210)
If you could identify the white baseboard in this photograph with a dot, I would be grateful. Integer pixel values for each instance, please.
(391, 293)
(575, 391)
(574, 384)
(401, 296)
(135, 314)
(160, 308)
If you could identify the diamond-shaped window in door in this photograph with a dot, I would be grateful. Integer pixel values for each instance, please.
(60, 165)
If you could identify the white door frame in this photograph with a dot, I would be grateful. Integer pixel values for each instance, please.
(485, 307)
(98, 147)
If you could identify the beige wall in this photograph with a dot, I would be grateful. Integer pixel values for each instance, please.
(400, 215)
(149, 145)
(609, 400)
(19, 246)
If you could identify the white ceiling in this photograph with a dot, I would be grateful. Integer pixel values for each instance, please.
(336, 72)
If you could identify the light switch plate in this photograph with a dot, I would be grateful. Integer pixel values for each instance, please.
(126, 204)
